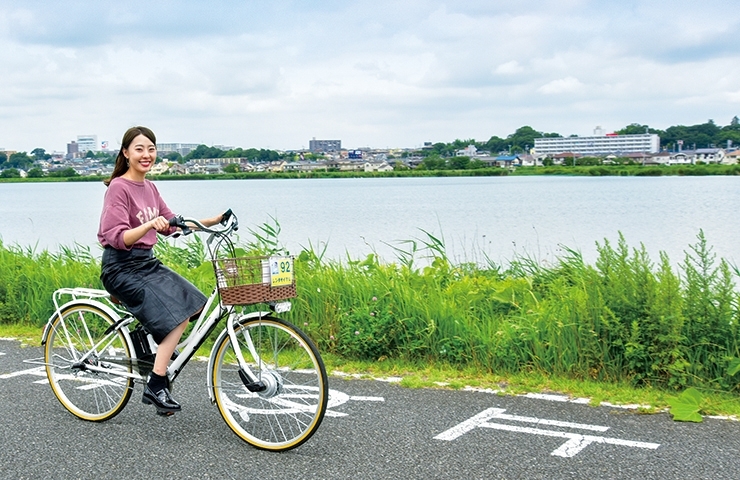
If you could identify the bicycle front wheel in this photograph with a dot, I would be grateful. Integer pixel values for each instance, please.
(291, 407)
(86, 366)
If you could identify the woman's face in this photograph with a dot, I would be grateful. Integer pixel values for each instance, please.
(141, 155)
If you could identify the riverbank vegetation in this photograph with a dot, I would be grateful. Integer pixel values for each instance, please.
(625, 322)
(622, 170)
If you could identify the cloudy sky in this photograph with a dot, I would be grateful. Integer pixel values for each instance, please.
(376, 73)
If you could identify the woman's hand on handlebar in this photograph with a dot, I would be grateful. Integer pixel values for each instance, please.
(133, 235)
(160, 224)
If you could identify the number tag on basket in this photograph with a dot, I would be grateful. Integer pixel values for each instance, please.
(281, 271)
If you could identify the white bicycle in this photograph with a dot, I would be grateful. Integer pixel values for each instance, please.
(264, 374)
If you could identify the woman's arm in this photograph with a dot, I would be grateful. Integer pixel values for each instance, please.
(135, 234)
(209, 222)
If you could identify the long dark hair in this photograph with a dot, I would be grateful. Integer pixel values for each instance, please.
(121, 166)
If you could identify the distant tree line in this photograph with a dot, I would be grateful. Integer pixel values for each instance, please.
(439, 156)
(705, 135)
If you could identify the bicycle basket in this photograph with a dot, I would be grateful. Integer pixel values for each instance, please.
(250, 280)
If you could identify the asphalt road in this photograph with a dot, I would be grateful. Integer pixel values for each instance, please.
(373, 430)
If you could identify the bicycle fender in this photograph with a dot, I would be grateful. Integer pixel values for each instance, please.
(219, 339)
(211, 362)
(82, 301)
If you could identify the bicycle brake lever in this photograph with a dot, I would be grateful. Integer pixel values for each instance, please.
(177, 221)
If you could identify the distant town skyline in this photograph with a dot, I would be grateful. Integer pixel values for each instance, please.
(83, 143)
(379, 73)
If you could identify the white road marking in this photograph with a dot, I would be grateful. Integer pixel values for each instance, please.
(367, 399)
(38, 371)
(337, 398)
(575, 443)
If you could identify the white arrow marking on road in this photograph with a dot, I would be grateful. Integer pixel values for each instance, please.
(576, 442)
(337, 398)
(38, 371)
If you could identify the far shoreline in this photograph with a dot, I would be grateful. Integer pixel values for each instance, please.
(581, 171)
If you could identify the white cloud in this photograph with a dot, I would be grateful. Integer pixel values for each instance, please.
(509, 68)
(561, 85)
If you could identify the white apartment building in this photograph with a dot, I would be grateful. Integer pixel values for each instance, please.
(181, 148)
(86, 143)
(598, 145)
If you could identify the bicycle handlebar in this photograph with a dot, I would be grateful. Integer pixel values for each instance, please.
(229, 221)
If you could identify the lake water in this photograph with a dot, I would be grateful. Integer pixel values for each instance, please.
(498, 217)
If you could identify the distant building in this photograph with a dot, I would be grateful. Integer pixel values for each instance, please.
(7, 153)
(469, 151)
(318, 146)
(710, 155)
(73, 150)
(598, 144)
(733, 157)
(86, 143)
(181, 148)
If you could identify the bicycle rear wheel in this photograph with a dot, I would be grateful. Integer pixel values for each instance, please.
(76, 344)
(289, 411)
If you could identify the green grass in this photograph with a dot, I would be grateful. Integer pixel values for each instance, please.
(624, 330)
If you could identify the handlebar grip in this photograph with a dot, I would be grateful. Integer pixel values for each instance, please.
(226, 216)
(177, 221)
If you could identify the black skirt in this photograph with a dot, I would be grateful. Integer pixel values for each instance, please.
(157, 296)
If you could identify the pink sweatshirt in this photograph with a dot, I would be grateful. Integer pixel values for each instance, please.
(128, 204)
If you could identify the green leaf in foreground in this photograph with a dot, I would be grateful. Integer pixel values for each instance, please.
(685, 407)
(734, 367)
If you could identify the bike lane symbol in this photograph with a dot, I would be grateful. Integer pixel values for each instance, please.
(574, 444)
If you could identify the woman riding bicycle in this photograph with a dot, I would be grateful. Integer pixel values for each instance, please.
(163, 301)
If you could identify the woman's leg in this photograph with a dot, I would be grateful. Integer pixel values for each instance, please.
(157, 386)
(166, 347)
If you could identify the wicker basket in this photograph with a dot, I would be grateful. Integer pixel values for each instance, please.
(247, 280)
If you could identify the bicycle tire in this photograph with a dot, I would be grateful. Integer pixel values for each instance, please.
(290, 411)
(90, 395)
